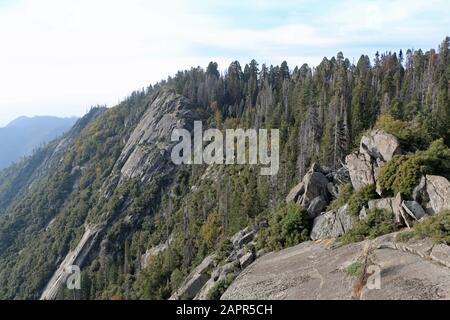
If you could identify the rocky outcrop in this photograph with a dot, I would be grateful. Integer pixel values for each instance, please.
(147, 151)
(414, 209)
(316, 271)
(153, 252)
(312, 193)
(403, 211)
(381, 145)
(75, 257)
(295, 193)
(239, 259)
(376, 148)
(360, 169)
(434, 193)
(195, 281)
(243, 237)
(332, 224)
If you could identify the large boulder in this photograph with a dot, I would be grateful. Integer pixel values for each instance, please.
(414, 209)
(434, 193)
(315, 185)
(393, 205)
(316, 207)
(312, 193)
(438, 190)
(381, 145)
(332, 224)
(295, 193)
(360, 170)
(246, 260)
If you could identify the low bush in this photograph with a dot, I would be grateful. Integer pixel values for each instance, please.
(289, 226)
(411, 135)
(356, 200)
(355, 269)
(436, 227)
(219, 288)
(345, 192)
(360, 198)
(402, 174)
(377, 223)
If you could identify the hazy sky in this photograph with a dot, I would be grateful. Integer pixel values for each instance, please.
(59, 57)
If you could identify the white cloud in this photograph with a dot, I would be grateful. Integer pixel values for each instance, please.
(60, 57)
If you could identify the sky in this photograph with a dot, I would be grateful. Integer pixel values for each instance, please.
(60, 57)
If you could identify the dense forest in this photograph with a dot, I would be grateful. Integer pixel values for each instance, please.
(47, 200)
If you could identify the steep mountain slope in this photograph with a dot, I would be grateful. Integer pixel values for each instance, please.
(20, 137)
(107, 197)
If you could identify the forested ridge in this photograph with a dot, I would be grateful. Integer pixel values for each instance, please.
(47, 200)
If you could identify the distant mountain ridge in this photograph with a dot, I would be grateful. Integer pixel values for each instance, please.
(24, 134)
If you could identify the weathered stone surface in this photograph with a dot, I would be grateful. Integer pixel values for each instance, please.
(414, 209)
(147, 151)
(323, 226)
(332, 189)
(360, 170)
(438, 190)
(345, 218)
(204, 291)
(243, 237)
(246, 260)
(380, 145)
(332, 225)
(339, 176)
(314, 272)
(441, 254)
(420, 192)
(315, 186)
(405, 276)
(295, 193)
(75, 257)
(383, 204)
(316, 207)
(391, 204)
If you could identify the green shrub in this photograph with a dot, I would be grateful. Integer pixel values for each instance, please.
(216, 292)
(411, 135)
(360, 198)
(377, 223)
(355, 269)
(345, 192)
(436, 227)
(289, 226)
(356, 200)
(402, 174)
(224, 250)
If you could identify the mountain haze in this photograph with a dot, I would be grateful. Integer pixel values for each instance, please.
(21, 136)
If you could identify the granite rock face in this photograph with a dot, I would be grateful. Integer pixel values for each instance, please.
(315, 271)
(147, 151)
